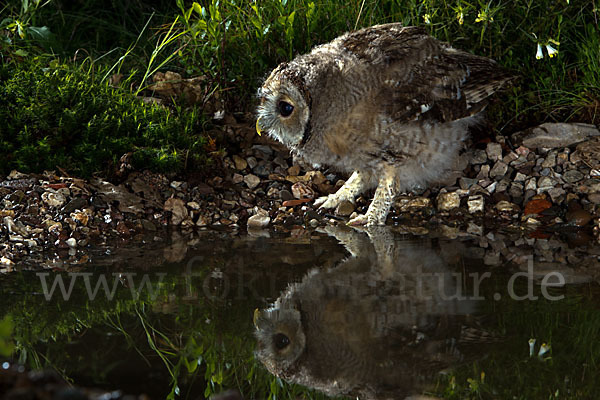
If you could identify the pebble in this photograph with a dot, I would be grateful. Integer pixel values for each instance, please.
(302, 191)
(573, 176)
(578, 217)
(345, 208)
(494, 151)
(251, 181)
(53, 199)
(178, 210)
(71, 242)
(239, 162)
(448, 201)
(475, 203)
(499, 170)
(259, 221)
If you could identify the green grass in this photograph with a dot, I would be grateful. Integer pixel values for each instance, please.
(234, 44)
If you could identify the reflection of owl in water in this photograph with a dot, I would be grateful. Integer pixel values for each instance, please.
(369, 329)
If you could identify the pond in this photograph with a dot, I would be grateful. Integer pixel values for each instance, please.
(377, 314)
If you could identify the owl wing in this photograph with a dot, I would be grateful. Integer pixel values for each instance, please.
(423, 78)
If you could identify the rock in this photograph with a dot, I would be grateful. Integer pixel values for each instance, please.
(594, 198)
(259, 220)
(484, 172)
(53, 199)
(478, 157)
(536, 206)
(555, 135)
(545, 183)
(507, 206)
(573, 176)
(251, 162)
(294, 170)
(494, 151)
(550, 161)
(448, 201)
(251, 181)
(409, 204)
(71, 242)
(239, 162)
(466, 183)
(178, 210)
(556, 194)
(148, 225)
(302, 191)
(203, 220)
(80, 217)
(531, 184)
(345, 208)
(578, 217)
(475, 203)
(499, 170)
(285, 194)
(519, 177)
(237, 178)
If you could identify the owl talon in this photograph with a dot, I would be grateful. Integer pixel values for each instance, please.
(360, 220)
(330, 201)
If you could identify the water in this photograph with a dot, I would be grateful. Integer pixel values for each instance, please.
(375, 315)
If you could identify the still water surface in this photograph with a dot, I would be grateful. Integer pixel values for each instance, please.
(373, 315)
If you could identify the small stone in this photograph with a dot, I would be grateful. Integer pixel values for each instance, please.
(448, 201)
(478, 157)
(475, 203)
(550, 161)
(294, 170)
(80, 217)
(545, 183)
(494, 151)
(71, 242)
(251, 181)
(531, 184)
(345, 208)
(484, 172)
(237, 178)
(178, 185)
(313, 223)
(573, 176)
(578, 217)
(302, 191)
(516, 189)
(507, 206)
(239, 162)
(193, 205)
(594, 198)
(203, 220)
(519, 177)
(499, 170)
(74, 204)
(556, 194)
(285, 194)
(263, 170)
(409, 204)
(466, 183)
(53, 199)
(259, 221)
(251, 162)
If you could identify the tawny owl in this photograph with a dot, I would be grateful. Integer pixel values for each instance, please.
(380, 325)
(389, 104)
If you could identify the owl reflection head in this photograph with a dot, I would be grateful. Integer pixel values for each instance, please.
(280, 338)
(284, 106)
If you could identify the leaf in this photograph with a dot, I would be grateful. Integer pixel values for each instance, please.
(41, 33)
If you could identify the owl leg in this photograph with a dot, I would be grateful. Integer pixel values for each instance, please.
(355, 185)
(382, 201)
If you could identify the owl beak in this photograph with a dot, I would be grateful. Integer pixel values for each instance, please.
(259, 131)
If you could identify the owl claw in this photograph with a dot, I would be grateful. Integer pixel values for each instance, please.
(330, 201)
(360, 220)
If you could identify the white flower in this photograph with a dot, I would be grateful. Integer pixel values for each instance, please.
(427, 19)
(551, 51)
(544, 348)
(460, 17)
(539, 53)
(531, 347)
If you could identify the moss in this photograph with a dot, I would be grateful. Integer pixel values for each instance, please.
(60, 116)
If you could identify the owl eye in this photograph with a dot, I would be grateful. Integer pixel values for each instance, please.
(281, 341)
(285, 108)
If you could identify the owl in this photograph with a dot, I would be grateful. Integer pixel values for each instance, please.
(379, 325)
(388, 104)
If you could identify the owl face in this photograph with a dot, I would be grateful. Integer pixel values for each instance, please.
(283, 111)
(280, 338)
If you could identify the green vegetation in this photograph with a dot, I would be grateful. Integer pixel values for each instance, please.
(553, 45)
(62, 116)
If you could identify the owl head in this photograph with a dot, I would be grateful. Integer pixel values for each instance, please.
(280, 338)
(284, 109)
